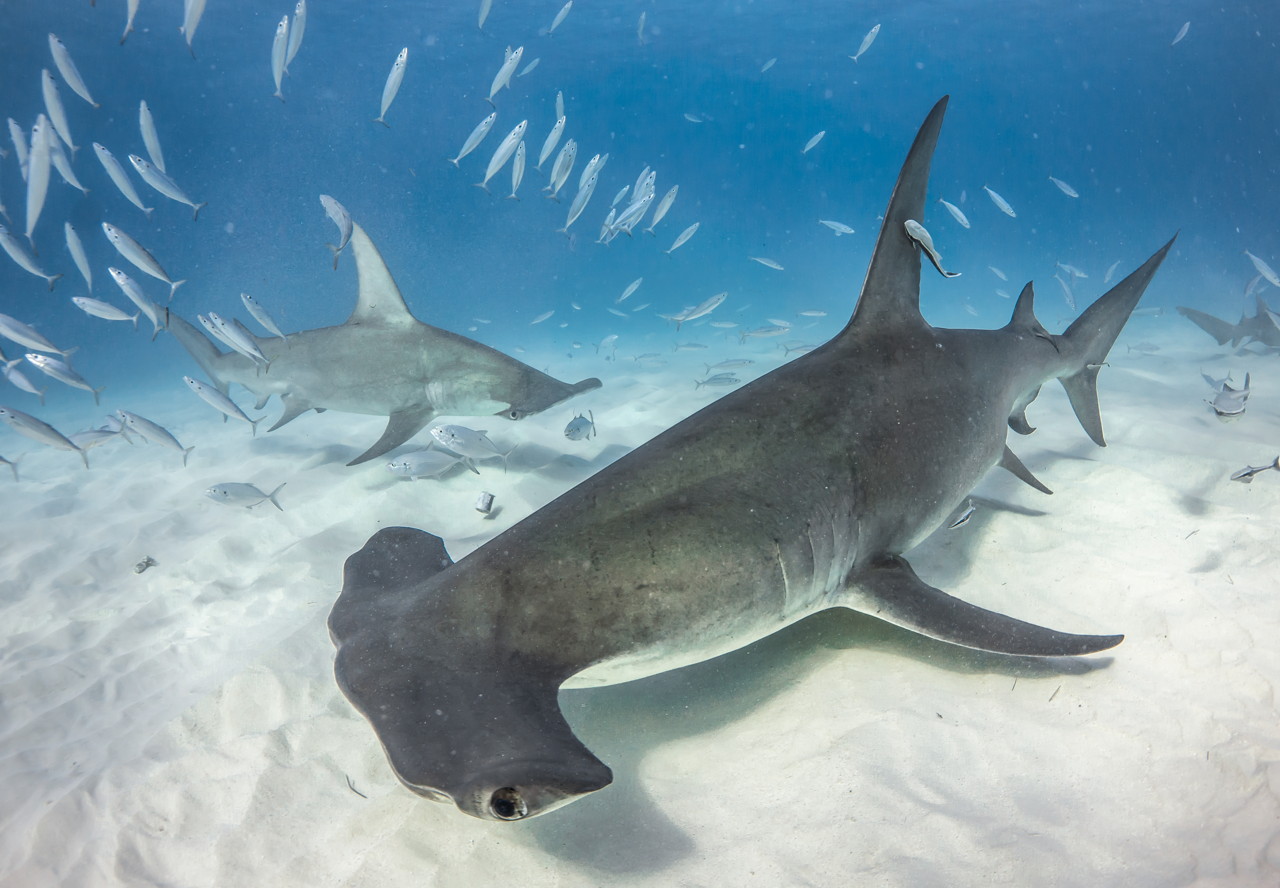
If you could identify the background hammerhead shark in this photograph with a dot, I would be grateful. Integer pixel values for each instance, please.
(382, 361)
(795, 493)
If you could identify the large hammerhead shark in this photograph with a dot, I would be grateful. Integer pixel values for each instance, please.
(382, 361)
(795, 493)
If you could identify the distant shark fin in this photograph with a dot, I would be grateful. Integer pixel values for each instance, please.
(1090, 337)
(379, 301)
(893, 592)
(891, 292)
(1222, 331)
(401, 427)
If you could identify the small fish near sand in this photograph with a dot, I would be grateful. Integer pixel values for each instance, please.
(470, 444)
(429, 463)
(580, 428)
(154, 433)
(1246, 475)
(236, 493)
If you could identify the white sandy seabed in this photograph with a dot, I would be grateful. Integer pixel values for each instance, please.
(181, 727)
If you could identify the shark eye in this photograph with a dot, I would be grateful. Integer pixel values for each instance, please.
(513, 413)
(506, 804)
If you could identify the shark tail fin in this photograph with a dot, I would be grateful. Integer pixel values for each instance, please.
(1222, 331)
(1088, 340)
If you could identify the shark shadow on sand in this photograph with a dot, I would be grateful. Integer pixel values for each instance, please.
(716, 533)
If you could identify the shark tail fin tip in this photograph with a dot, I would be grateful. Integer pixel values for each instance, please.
(1090, 337)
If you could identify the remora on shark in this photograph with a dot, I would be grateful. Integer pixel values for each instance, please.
(796, 493)
(381, 361)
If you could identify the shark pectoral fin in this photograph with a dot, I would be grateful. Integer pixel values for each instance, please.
(892, 592)
(401, 427)
(293, 408)
(1011, 463)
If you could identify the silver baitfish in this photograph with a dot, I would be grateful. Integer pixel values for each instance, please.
(1246, 474)
(580, 428)
(235, 493)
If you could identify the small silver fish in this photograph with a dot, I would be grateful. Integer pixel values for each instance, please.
(261, 316)
(472, 444)
(838, 227)
(24, 334)
(998, 273)
(341, 218)
(220, 402)
(40, 431)
(866, 42)
(920, 235)
(542, 317)
(720, 380)
(76, 249)
(1246, 474)
(663, 205)
(955, 212)
(473, 140)
(1182, 32)
(63, 372)
(18, 253)
(67, 68)
(683, 237)
(503, 77)
(392, 86)
(138, 255)
(296, 29)
(631, 288)
(769, 64)
(429, 463)
(158, 316)
(117, 174)
(1000, 202)
(813, 142)
(560, 17)
(581, 427)
(163, 182)
(153, 432)
(549, 144)
(235, 493)
(1264, 269)
(57, 113)
(104, 310)
(964, 516)
(1064, 187)
(503, 153)
(767, 263)
(279, 49)
(130, 14)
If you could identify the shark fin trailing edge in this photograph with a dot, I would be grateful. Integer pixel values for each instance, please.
(892, 592)
(378, 301)
(1088, 340)
(401, 427)
(891, 291)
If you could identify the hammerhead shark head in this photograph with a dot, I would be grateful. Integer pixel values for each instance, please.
(382, 361)
(796, 493)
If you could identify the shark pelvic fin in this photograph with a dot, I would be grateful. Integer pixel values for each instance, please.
(401, 427)
(1089, 338)
(293, 408)
(1010, 463)
(378, 301)
(893, 592)
(891, 292)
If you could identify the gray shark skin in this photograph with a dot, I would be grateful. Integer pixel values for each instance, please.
(1263, 327)
(795, 493)
(384, 362)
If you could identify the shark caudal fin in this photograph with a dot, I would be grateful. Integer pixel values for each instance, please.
(891, 291)
(1087, 341)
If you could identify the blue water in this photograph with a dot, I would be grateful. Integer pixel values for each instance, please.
(1156, 139)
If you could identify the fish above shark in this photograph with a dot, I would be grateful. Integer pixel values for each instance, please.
(382, 361)
(1263, 327)
(714, 534)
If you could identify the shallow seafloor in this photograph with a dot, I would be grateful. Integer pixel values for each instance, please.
(182, 726)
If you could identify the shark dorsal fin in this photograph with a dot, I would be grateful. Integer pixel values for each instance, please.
(378, 301)
(891, 292)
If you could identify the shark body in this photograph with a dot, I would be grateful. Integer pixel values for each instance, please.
(1263, 327)
(796, 493)
(381, 361)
